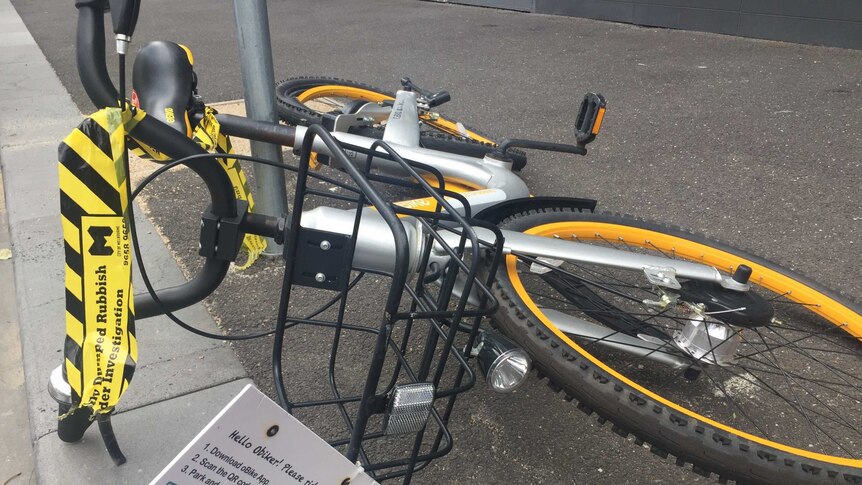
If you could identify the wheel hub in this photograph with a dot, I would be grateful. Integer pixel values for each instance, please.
(714, 343)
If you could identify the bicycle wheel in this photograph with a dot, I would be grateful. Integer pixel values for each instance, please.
(784, 409)
(303, 101)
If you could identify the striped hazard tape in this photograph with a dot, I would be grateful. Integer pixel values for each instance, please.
(208, 135)
(100, 348)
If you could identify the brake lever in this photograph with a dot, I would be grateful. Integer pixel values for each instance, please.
(124, 16)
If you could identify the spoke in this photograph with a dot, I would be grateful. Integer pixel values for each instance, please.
(836, 341)
(834, 370)
(766, 386)
(620, 285)
(549, 297)
(662, 252)
(622, 282)
(629, 247)
(606, 241)
(793, 342)
(602, 292)
(790, 385)
(763, 384)
(776, 297)
(616, 311)
(330, 102)
(598, 306)
(733, 403)
(585, 281)
(824, 404)
(821, 382)
(813, 349)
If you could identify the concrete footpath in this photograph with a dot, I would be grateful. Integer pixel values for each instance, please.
(182, 380)
(16, 464)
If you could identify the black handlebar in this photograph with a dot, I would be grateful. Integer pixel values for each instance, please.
(101, 90)
(90, 53)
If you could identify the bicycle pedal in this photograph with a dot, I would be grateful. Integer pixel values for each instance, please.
(590, 117)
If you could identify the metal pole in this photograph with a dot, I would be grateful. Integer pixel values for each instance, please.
(258, 79)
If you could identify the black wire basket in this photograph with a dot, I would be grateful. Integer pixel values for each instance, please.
(396, 357)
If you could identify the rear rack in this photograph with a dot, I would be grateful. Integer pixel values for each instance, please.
(422, 331)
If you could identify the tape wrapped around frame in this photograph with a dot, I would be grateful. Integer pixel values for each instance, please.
(100, 349)
(209, 136)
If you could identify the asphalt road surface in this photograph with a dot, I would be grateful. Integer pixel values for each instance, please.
(754, 142)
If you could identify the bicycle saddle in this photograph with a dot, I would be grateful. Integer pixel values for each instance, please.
(163, 83)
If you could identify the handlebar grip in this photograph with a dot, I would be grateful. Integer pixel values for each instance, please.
(439, 98)
(90, 54)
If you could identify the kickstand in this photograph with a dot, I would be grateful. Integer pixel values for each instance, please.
(110, 439)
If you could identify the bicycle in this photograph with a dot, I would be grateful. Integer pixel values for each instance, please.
(626, 316)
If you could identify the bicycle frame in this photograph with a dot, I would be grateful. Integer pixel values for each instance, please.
(492, 183)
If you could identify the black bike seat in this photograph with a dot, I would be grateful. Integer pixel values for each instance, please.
(163, 83)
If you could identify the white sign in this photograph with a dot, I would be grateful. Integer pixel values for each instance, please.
(253, 441)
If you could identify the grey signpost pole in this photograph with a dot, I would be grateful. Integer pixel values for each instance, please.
(258, 79)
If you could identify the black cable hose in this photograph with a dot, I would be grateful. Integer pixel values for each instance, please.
(121, 58)
(139, 258)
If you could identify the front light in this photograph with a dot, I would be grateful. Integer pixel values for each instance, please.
(504, 364)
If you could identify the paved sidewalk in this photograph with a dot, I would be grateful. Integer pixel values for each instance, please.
(182, 380)
(16, 464)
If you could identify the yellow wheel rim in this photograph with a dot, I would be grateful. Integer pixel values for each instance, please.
(831, 310)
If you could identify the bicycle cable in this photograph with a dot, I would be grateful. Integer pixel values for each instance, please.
(131, 195)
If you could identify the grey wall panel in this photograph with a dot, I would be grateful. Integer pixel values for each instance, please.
(719, 21)
(804, 30)
(729, 5)
(848, 10)
(617, 11)
(522, 5)
(823, 22)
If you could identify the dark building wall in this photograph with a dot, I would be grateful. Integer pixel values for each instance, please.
(522, 5)
(823, 22)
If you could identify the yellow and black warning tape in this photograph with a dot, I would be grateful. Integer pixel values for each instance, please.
(209, 136)
(101, 348)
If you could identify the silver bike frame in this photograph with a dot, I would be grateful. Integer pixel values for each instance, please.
(375, 247)
(374, 250)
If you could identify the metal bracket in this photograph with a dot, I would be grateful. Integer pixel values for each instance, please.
(344, 123)
(366, 115)
(221, 237)
(660, 276)
(321, 259)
